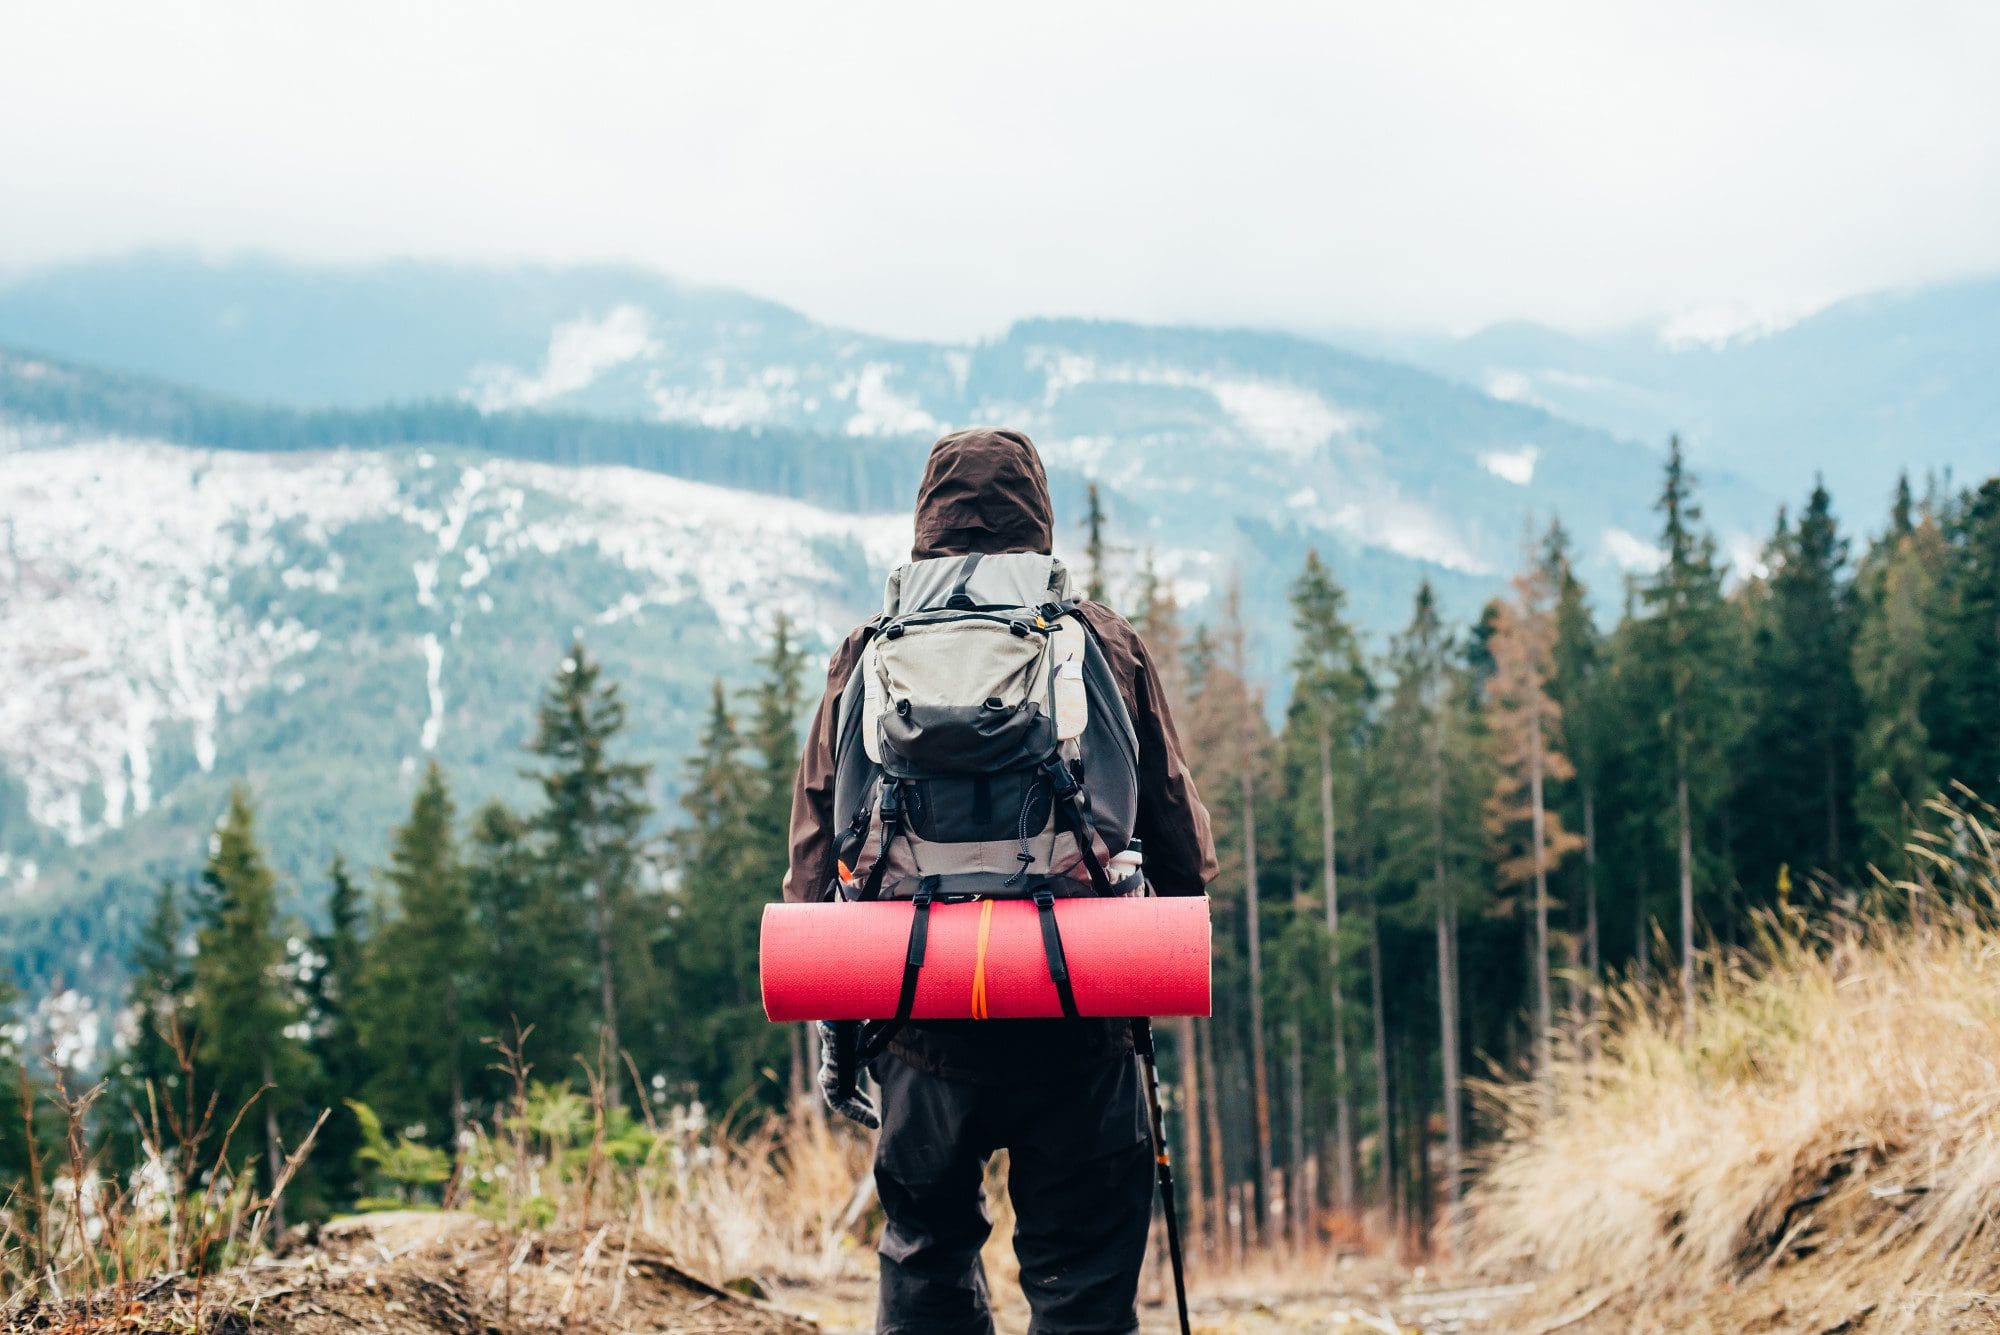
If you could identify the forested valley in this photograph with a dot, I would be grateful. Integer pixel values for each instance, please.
(1437, 854)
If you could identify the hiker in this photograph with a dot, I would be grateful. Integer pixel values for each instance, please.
(1063, 1097)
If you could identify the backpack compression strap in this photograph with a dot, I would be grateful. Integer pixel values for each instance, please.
(1045, 909)
(875, 1037)
(1068, 795)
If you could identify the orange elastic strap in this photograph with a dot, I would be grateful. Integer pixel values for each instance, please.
(979, 963)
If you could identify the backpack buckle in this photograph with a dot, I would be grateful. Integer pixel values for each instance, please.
(1060, 778)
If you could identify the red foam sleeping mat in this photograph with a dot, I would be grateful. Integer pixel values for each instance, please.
(1126, 957)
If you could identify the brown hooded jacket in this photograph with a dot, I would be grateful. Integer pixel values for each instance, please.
(984, 491)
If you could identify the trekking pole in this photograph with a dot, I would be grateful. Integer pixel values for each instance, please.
(1142, 1038)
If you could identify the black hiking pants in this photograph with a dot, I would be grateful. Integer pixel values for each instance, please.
(1080, 1175)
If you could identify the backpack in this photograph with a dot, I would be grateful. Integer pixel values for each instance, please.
(982, 751)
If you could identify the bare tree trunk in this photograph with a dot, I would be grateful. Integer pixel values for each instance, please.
(1343, 1107)
(274, 1151)
(1191, 1133)
(1384, 1126)
(1295, 1197)
(1592, 956)
(1687, 888)
(1454, 1133)
(1218, 1165)
(1544, 1011)
(1260, 1089)
(1592, 953)
(608, 1046)
(1447, 966)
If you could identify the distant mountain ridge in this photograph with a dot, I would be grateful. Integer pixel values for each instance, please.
(1858, 391)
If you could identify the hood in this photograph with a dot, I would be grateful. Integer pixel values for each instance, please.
(983, 491)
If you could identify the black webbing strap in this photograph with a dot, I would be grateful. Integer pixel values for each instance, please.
(875, 1037)
(959, 596)
(1045, 909)
(891, 815)
(1068, 795)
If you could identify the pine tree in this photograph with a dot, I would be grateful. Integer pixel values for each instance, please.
(1690, 639)
(592, 830)
(724, 1041)
(150, 1075)
(531, 986)
(1525, 731)
(1797, 754)
(1094, 584)
(1433, 833)
(1251, 740)
(245, 1013)
(776, 703)
(1576, 688)
(1330, 692)
(1965, 692)
(413, 1025)
(336, 995)
(1156, 616)
(1897, 594)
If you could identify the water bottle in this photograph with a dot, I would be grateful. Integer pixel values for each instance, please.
(1127, 865)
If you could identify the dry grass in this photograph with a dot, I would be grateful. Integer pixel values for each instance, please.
(1823, 1148)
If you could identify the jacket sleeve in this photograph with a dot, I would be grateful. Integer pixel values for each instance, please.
(811, 865)
(1180, 852)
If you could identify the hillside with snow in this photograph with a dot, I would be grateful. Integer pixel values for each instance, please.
(323, 623)
(268, 575)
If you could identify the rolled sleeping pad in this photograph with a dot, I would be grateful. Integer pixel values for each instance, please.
(1136, 957)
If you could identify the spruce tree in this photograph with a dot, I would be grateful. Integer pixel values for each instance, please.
(1432, 831)
(1525, 732)
(1691, 641)
(413, 1026)
(592, 825)
(1576, 688)
(336, 996)
(1796, 760)
(722, 1039)
(1330, 692)
(776, 703)
(1094, 583)
(1965, 693)
(245, 1013)
(1156, 616)
(530, 975)
(1897, 595)
(150, 1081)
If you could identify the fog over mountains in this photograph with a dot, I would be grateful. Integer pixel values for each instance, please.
(310, 526)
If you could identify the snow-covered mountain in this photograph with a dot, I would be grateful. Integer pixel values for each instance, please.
(266, 574)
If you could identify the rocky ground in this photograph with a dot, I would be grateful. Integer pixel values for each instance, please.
(454, 1274)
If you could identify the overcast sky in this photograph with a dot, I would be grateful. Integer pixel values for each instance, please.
(941, 168)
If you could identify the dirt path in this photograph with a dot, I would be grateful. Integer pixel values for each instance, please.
(1372, 1299)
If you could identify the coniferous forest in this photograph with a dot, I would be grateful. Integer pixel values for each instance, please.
(1434, 851)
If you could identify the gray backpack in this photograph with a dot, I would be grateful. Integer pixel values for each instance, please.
(982, 750)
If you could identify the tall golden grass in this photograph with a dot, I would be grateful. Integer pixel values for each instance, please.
(1824, 1146)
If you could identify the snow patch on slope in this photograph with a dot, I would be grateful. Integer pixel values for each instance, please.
(743, 553)
(117, 626)
(1287, 419)
(1630, 552)
(1713, 328)
(120, 631)
(879, 410)
(1407, 528)
(580, 351)
(1515, 466)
